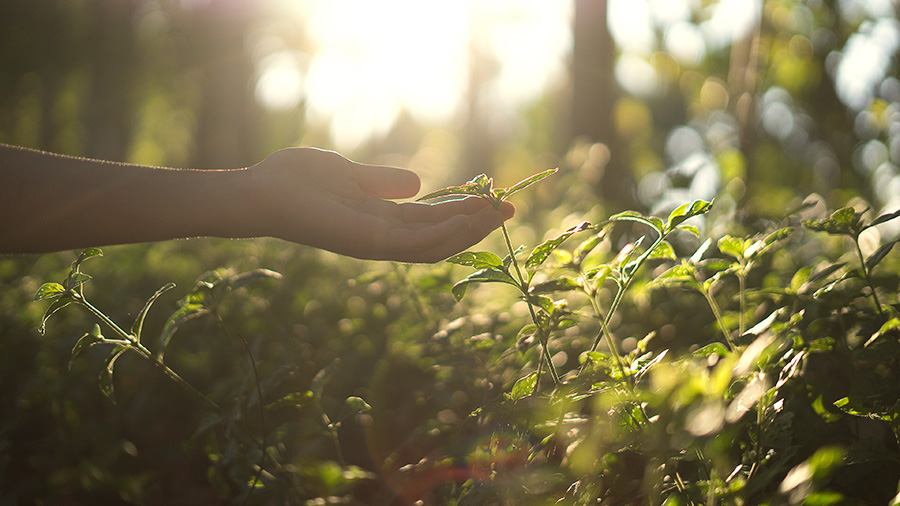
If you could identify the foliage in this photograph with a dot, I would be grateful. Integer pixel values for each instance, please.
(583, 369)
(738, 357)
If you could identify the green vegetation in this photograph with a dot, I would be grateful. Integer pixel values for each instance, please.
(621, 361)
(700, 306)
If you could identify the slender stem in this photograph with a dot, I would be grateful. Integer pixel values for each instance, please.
(512, 254)
(610, 342)
(144, 352)
(622, 288)
(718, 313)
(742, 298)
(523, 286)
(865, 271)
(105, 319)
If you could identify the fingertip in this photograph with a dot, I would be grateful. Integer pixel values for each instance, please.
(382, 181)
(507, 210)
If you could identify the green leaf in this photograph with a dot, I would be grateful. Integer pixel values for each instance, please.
(599, 274)
(505, 193)
(484, 185)
(879, 254)
(138, 324)
(884, 217)
(542, 251)
(732, 246)
(681, 274)
(698, 255)
(480, 185)
(477, 260)
(526, 337)
(85, 342)
(523, 387)
(292, 400)
(800, 277)
(560, 284)
(652, 222)
(49, 291)
(54, 307)
(483, 276)
(245, 278)
(321, 379)
(685, 212)
(88, 253)
(186, 312)
(663, 250)
(76, 279)
(106, 374)
(689, 229)
(827, 271)
(585, 248)
(844, 221)
(546, 303)
(357, 404)
(711, 349)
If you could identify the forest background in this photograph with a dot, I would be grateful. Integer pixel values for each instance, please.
(643, 105)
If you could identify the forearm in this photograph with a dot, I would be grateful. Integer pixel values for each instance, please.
(50, 202)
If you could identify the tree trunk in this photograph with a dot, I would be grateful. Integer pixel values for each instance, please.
(594, 93)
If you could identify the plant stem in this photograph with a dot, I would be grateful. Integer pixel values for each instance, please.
(142, 350)
(742, 298)
(718, 313)
(523, 286)
(865, 271)
(605, 332)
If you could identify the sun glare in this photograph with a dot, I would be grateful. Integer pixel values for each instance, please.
(369, 61)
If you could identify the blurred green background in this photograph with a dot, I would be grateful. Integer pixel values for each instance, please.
(643, 104)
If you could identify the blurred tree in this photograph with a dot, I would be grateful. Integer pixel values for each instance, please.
(594, 93)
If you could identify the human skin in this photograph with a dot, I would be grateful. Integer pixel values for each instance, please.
(50, 202)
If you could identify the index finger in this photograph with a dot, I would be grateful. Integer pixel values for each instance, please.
(385, 182)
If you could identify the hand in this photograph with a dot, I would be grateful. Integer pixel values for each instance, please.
(321, 199)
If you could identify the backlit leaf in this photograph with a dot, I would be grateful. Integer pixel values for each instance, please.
(682, 273)
(49, 291)
(292, 400)
(482, 276)
(560, 284)
(76, 279)
(139, 320)
(844, 221)
(711, 349)
(478, 260)
(652, 222)
(884, 217)
(662, 250)
(508, 192)
(732, 246)
(184, 313)
(685, 212)
(106, 374)
(245, 278)
(879, 254)
(84, 255)
(85, 342)
(357, 404)
(477, 186)
(585, 248)
(542, 251)
(523, 387)
(56, 306)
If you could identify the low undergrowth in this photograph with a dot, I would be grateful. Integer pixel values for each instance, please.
(629, 360)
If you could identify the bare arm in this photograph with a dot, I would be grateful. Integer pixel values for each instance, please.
(50, 202)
